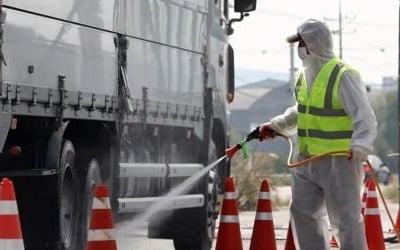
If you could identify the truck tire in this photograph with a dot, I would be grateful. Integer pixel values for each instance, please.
(89, 178)
(68, 198)
(209, 212)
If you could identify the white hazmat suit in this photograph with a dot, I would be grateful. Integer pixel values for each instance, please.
(329, 187)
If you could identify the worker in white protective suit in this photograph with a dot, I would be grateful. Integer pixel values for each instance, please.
(332, 113)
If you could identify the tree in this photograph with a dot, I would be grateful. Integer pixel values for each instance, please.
(386, 107)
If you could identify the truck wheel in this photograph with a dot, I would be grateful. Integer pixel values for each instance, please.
(212, 197)
(206, 234)
(209, 212)
(212, 207)
(89, 178)
(68, 201)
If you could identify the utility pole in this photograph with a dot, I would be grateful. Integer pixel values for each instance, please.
(340, 31)
(398, 100)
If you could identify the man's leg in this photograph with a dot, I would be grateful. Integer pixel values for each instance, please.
(343, 202)
(308, 212)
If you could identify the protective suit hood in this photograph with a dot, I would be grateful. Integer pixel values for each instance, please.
(318, 39)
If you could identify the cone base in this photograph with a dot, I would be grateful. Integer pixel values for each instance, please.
(229, 237)
(374, 234)
(263, 237)
(102, 245)
(289, 244)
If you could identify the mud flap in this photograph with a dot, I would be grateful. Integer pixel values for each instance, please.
(5, 121)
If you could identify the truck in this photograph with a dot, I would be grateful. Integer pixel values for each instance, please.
(127, 93)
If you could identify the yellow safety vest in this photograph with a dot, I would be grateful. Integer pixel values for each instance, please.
(323, 125)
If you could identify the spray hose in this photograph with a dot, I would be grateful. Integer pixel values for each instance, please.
(255, 134)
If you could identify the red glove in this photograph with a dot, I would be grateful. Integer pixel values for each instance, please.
(266, 131)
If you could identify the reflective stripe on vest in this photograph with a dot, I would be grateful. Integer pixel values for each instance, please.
(325, 134)
(323, 124)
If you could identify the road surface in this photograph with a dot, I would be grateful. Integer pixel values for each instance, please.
(139, 240)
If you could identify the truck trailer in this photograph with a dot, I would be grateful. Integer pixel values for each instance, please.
(127, 93)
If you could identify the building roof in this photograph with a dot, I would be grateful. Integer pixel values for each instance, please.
(247, 95)
(245, 98)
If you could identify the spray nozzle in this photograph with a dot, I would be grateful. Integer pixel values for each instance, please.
(230, 152)
(255, 134)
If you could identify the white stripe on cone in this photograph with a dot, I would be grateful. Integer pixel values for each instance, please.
(102, 203)
(8, 207)
(372, 194)
(229, 219)
(230, 196)
(263, 216)
(264, 196)
(12, 244)
(101, 234)
(372, 211)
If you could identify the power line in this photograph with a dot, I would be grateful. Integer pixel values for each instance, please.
(277, 13)
(260, 51)
(377, 48)
(382, 25)
(293, 16)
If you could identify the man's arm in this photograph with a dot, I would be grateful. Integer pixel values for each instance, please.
(286, 121)
(353, 95)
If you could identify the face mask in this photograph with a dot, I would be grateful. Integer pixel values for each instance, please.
(302, 52)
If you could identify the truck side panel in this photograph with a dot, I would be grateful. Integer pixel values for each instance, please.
(168, 22)
(171, 75)
(49, 47)
(96, 13)
(166, 50)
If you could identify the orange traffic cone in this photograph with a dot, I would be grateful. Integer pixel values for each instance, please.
(397, 225)
(229, 237)
(289, 244)
(334, 242)
(10, 227)
(364, 197)
(263, 237)
(101, 224)
(397, 229)
(373, 225)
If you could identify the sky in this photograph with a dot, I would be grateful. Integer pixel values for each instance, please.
(370, 35)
